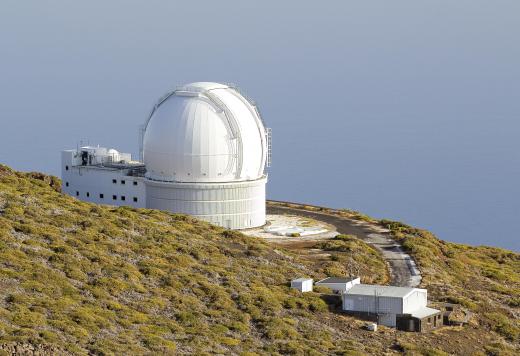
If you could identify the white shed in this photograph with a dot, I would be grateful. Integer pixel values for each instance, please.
(385, 302)
(302, 284)
(339, 284)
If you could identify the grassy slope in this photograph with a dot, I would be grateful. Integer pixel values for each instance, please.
(100, 280)
(486, 280)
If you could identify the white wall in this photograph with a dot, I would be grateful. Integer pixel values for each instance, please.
(386, 307)
(236, 205)
(302, 286)
(307, 286)
(80, 181)
(415, 300)
(368, 303)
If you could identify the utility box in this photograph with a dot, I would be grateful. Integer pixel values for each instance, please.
(371, 326)
(302, 284)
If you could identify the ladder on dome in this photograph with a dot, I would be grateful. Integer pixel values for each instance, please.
(268, 131)
(269, 135)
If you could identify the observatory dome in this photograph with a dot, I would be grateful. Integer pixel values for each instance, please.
(204, 132)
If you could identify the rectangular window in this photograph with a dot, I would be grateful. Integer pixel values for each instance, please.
(135, 199)
(66, 184)
(66, 168)
(77, 193)
(135, 183)
(114, 197)
(88, 194)
(101, 196)
(123, 197)
(123, 182)
(114, 181)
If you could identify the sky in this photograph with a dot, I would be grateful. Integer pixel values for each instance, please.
(407, 110)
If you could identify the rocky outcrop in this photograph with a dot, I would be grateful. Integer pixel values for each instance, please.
(26, 349)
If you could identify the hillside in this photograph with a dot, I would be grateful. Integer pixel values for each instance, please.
(102, 280)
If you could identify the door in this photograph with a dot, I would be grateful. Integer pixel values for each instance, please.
(387, 319)
(348, 304)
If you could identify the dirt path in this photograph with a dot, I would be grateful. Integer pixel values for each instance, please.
(402, 267)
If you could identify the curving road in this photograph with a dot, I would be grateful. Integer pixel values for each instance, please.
(402, 267)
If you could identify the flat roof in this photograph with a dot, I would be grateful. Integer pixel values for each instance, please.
(424, 312)
(382, 291)
(301, 279)
(336, 280)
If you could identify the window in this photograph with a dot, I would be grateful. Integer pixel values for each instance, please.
(135, 183)
(88, 194)
(123, 181)
(123, 197)
(77, 193)
(114, 181)
(114, 197)
(101, 196)
(66, 168)
(66, 184)
(135, 199)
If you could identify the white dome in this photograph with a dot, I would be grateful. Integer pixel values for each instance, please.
(204, 132)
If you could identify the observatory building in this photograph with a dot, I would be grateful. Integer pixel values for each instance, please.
(204, 149)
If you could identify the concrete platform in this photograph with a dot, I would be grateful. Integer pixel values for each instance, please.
(292, 227)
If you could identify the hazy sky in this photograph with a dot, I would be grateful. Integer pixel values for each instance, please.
(408, 110)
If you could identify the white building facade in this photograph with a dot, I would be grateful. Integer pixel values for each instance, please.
(204, 152)
(96, 175)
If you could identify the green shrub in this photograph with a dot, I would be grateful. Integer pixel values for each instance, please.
(104, 280)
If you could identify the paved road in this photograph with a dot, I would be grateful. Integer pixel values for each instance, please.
(402, 267)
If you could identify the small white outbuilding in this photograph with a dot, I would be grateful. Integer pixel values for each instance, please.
(339, 284)
(302, 284)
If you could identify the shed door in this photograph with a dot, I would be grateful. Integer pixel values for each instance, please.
(349, 304)
(387, 319)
